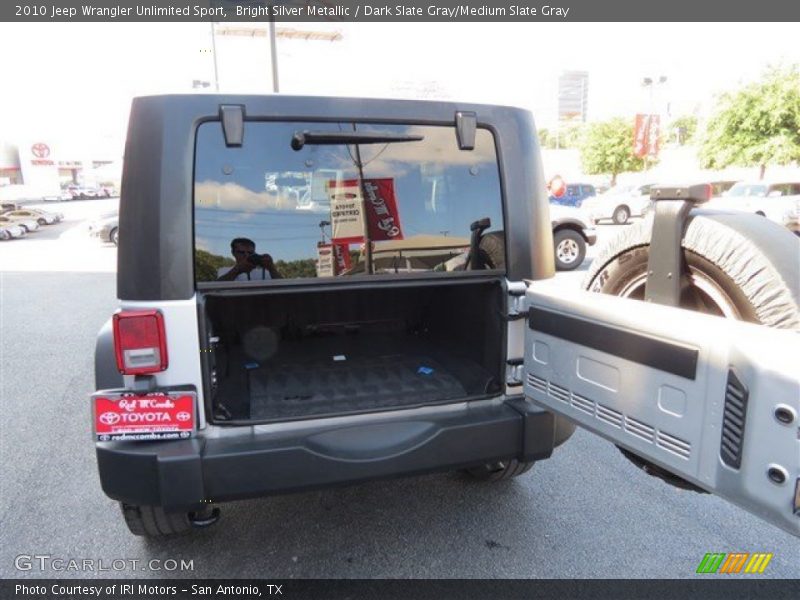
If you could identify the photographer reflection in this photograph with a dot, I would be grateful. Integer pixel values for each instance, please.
(249, 266)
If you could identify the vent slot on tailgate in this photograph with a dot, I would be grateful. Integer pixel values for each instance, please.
(733, 421)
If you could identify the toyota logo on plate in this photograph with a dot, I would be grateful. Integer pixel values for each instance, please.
(40, 150)
(183, 416)
(109, 418)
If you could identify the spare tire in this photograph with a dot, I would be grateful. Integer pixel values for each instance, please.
(493, 250)
(740, 266)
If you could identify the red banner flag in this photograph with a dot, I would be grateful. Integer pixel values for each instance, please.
(383, 217)
(646, 136)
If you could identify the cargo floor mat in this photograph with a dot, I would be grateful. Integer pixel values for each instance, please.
(320, 387)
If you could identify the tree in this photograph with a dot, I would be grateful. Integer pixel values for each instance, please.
(293, 269)
(565, 135)
(607, 147)
(206, 265)
(682, 130)
(757, 126)
(545, 139)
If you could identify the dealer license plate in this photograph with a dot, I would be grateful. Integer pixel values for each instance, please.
(149, 416)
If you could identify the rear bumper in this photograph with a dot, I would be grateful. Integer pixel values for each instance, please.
(590, 233)
(245, 462)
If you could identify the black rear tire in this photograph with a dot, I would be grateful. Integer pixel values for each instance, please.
(501, 470)
(569, 248)
(154, 521)
(621, 215)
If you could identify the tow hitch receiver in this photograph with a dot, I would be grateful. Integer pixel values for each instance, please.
(201, 520)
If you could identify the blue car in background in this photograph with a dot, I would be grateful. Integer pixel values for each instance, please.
(574, 195)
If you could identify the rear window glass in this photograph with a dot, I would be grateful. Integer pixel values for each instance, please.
(265, 210)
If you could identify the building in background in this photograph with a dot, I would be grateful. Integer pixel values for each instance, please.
(573, 95)
(46, 167)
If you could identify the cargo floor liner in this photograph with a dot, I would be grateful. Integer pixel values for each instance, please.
(344, 374)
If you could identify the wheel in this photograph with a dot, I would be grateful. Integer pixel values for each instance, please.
(493, 249)
(114, 237)
(739, 266)
(154, 521)
(41, 221)
(501, 470)
(570, 249)
(621, 215)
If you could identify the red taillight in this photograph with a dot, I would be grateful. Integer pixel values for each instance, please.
(140, 342)
(709, 191)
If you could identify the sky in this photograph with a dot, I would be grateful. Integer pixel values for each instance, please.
(73, 82)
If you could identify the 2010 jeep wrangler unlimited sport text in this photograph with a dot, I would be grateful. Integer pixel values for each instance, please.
(321, 291)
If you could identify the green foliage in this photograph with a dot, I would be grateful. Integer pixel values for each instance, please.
(607, 148)
(545, 139)
(682, 130)
(758, 125)
(567, 136)
(293, 269)
(570, 134)
(206, 265)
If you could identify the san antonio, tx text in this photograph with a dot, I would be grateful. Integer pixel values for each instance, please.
(241, 591)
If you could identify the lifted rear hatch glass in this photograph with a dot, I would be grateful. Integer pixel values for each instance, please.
(266, 210)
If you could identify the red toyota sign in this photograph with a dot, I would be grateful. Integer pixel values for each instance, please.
(149, 416)
(40, 150)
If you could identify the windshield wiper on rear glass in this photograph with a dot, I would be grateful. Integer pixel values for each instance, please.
(329, 138)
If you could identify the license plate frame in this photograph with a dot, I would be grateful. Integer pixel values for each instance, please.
(131, 416)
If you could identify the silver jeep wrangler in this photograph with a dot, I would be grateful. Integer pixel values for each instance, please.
(319, 291)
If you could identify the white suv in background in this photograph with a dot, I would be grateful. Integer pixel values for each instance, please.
(778, 201)
(619, 204)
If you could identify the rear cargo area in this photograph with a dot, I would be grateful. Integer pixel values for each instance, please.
(288, 355)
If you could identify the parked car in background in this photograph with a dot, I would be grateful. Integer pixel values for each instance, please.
(775, 200)
(106, 228)
(84, 192)
(620, 203)
(573, 230)
(10, 232)
(720, 188)
(791, 218)
(574, 194)
(26, 223)
(42, 217)
(17, 192)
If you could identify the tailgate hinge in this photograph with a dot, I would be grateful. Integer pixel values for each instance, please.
(517, 307)
(515, 370)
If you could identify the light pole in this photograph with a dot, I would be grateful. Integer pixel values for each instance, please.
(214, 56)
(273, 34)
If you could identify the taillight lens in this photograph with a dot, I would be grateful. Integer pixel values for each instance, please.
(140, 342)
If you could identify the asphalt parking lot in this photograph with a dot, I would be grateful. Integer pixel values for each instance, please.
(584, 513)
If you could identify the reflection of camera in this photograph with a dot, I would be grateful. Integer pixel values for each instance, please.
(255, 259)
